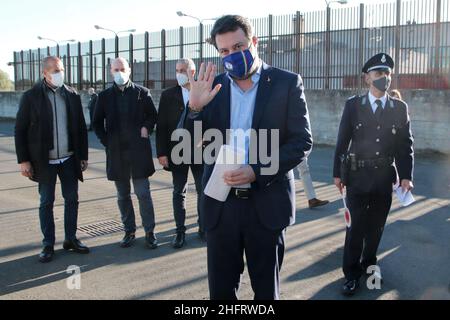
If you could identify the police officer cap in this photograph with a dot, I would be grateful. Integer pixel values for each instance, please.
(381, 61)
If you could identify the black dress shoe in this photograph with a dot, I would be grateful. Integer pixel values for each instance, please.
(128, 240)
(350, 288)
(179, 241)
(151, 241)
(75, 246)
(202, 236)
(46, 255)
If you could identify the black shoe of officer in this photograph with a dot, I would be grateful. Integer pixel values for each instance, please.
(350, 287)
(47, 254)
(75, 246)
(179, 241)
(151, 241)
(128, 240)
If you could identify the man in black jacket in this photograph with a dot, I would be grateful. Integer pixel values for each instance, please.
(172, 110)
(124, 118)
(51, 141)
(374, 144)
(91, 106)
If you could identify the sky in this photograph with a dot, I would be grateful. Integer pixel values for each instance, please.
(22, 21)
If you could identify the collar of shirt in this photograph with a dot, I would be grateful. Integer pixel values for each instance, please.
(372, 100)
(185, 93)
(49, 87)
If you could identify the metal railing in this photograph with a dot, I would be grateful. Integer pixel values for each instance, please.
(328, 48)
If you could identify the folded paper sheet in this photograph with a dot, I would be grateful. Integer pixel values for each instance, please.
(229, 159)
(405, 198)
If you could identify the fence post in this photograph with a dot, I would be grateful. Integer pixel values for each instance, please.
(201, 43)
(15, 70)
(361, 46)
(328, 48)
(69, 66)
(104, 63)
(22, 71)
(31, 66)
(80, 68)
(91, 63)
(163, 58)
(270, 41)
(95, 73)
(39, 63)
(298, 42)
(397, 45)
(147, 58)
(181, 43)
(131, 48)
(437, 45)
(116, 45)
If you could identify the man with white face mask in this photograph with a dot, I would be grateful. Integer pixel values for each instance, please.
(51, 141)
(124, 119)
(172, 112)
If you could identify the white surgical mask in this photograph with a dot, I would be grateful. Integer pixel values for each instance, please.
(121, 78)
(182, 79)
(58, 79)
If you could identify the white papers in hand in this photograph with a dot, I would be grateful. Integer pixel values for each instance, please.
(405, 198)
(229, 159)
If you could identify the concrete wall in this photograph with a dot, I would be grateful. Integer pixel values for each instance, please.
(429, 109)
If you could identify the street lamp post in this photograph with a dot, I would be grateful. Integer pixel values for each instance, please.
(200, 21)
(328, 41)
(116, 33)
(56, 42)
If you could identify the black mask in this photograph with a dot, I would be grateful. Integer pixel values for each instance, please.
(383, 84)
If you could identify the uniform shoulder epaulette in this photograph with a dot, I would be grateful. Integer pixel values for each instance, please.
(353, 99)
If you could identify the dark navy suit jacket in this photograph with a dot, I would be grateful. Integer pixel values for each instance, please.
(280, 104)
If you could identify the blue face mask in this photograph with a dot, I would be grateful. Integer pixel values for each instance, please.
(239, 64)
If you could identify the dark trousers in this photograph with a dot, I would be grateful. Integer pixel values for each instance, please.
(142, 191)
(91, 117)
(69, 187)
(180, 179)
(240, 232)
(369, 213)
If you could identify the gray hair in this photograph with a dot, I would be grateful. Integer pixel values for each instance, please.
(47, 60)
(188, 62)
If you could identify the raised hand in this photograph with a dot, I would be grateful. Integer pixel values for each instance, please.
(202, 92)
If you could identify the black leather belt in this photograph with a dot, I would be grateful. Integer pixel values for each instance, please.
(375, 163)
(243, 194)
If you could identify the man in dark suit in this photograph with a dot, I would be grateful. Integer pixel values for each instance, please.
(124, 119)
(172, 110)
(374, 144)
(51, 141)
(261, 205)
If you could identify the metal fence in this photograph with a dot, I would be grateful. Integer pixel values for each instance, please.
(328, 48)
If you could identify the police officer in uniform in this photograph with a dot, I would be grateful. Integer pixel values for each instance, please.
(374, 145)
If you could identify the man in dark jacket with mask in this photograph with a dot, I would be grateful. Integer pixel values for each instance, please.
(124, 119)
(51, 141)
(250, 97)
(172, 114)
(375, 144)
